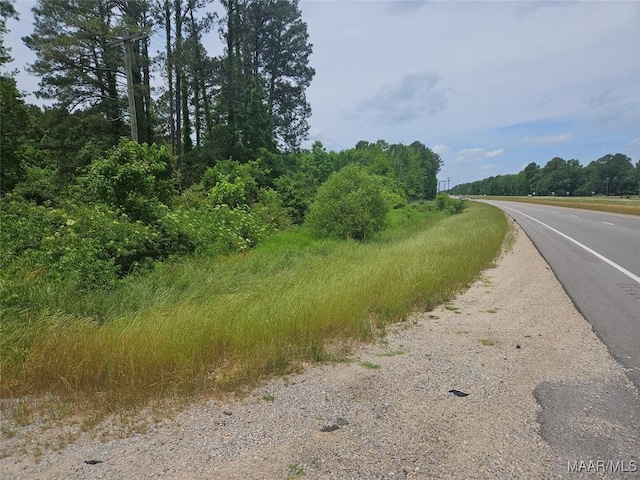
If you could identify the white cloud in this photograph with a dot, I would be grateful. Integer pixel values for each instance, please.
(613, 107)
(415, 96)
(404, 6)
(494, 153)
(487, 167)
(546, 139)
(441, 149)
(469, 155)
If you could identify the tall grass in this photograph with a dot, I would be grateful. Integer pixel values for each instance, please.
(224, 323)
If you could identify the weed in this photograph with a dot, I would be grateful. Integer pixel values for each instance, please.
(7, 431)
(391, 353)
(37, 454)
(21, 413)
(492, 310)
(295, 471)
(65, 439)
(370, 365)
(463, 332)
(268, 398)
(487, 342)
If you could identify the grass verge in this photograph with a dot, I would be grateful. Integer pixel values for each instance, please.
(206, 324)
(602, 204)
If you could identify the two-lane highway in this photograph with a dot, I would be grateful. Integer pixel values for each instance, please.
(596, 257)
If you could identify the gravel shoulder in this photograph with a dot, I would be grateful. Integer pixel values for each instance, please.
(543, 392)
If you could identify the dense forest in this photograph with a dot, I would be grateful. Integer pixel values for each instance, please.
(609, 175)
(118, 173)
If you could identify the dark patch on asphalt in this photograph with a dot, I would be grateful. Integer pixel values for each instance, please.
(632, 289)
(591, 421)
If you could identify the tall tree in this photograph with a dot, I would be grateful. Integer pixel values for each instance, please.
(7, 11)
(76, 66)
(164, 15)
(280, 50)
(613, 172)
(265, 73)
(243, 125)
(13, 123)
(197, 69)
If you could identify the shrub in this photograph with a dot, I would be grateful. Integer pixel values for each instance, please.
(133, 178)
(350, 204)
(270, 210)
(297, 191)
(450, 205)
(232, 183)
(218, 229)
(85, 246)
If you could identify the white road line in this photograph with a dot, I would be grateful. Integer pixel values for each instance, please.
(575, 216)
(607, 223)
(623, 270)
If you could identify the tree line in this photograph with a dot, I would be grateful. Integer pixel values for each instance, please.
(219, 163)
(249, 97)
(246, 103)
(608, 175)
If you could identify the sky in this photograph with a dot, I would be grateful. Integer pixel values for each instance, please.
(489, 86)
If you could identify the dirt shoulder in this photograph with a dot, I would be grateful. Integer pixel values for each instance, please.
(543, 395)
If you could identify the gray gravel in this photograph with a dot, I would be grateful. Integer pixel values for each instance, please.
(510, 341)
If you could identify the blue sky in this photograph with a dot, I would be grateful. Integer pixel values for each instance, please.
(490, 86)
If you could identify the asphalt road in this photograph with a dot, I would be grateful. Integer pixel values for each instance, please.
(596, 257)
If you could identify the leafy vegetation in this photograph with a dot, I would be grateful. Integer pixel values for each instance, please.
(350, 204)
(207, 323)
(609, 175)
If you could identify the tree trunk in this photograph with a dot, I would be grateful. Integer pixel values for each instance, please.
(178, 90)
(172, 125)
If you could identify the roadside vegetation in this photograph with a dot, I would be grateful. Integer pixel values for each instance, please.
(212, 250)
(207, 324)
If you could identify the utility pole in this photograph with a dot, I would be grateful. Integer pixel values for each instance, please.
(126, 42)
(448, 180)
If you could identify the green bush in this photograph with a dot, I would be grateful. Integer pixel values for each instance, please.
(350, 204)
(82, 245)
(133, 178)
(297, 191)
(271, 211)
(232, 183)
(450, 205)
(218, 229)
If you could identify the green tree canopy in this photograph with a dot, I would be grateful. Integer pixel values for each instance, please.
(350, 204)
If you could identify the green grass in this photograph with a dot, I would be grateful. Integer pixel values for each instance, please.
(212, 324)
(370, 365)
(605, 204)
